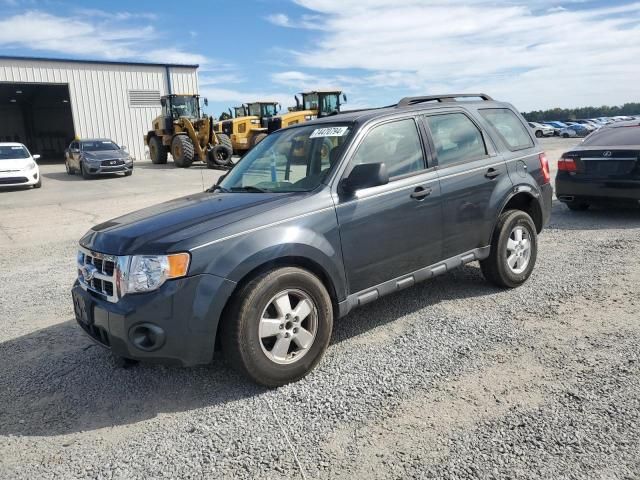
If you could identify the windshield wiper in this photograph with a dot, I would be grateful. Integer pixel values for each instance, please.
(249, 188)
(217, 187)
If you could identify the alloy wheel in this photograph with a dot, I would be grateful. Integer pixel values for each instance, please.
(518, 249)
(288, 326)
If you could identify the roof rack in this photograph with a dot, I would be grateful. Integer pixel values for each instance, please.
(407, 101)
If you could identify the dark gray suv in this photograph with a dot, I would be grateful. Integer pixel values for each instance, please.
(316, 220)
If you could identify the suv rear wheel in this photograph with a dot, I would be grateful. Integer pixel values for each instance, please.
(278, 326)
(514, 248)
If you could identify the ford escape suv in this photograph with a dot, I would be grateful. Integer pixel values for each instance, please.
(316, 220)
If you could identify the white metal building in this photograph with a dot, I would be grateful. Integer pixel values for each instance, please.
(45, 103)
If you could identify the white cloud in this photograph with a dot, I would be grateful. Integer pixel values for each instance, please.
(82, 37)
(522, 53)
(279, 19)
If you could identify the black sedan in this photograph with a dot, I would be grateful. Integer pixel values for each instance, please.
(99, 156)
(604, 168)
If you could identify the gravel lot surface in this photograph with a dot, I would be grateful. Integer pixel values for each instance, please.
(452, 378)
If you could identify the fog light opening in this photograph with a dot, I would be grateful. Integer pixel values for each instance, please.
(147, 337)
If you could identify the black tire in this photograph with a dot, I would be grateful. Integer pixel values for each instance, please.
(39, 184)
(219, 156)
(225, 140)
(578, 206)
(495, 267)
(70, 171)
(240, 331)
(86, 175)
(182, 151)
(157, 151)
(565, 135)
(539, 133)
(257, 139)
(129, 173)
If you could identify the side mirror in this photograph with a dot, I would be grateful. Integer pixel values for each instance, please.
(123, 147)
(36, 156)
(366, 175)
(344, 97)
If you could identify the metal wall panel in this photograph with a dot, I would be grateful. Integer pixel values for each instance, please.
(100, 94)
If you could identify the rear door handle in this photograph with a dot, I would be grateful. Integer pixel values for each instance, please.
(421, 192)
(492, 173)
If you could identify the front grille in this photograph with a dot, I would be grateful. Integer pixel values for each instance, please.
(227, 127)
(111, 163)
(101, 279)
(13, 180)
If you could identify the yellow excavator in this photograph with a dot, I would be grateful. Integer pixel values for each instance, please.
(249, 126)
(185, 132)
(314, 104)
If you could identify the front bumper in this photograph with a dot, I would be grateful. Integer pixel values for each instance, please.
(182, 318)
(19, 178)
(572, 188)
(97, 169)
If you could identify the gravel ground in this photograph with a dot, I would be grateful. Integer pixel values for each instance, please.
(450, 379)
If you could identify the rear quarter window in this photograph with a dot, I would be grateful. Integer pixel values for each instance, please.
(508, 127)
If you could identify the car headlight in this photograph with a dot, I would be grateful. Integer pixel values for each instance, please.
(149, 272)
(31, 165)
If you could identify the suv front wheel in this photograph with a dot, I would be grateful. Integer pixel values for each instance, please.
(514, 248)
(278, 326)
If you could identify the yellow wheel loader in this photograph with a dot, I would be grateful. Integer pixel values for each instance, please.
(314, 104)
(249, 126)
(182, 130)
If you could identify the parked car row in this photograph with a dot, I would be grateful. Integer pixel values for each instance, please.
(576, 128)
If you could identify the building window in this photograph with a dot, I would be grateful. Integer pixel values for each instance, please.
(144, 98)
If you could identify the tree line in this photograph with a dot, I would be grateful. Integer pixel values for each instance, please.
(582, 112)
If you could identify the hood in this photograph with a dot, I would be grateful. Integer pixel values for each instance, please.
(14, 164)
(105, 154)
(158, 229)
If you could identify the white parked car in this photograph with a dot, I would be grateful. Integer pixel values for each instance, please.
(18, 167)
(541, 130)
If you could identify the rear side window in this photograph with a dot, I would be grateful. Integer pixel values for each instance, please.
(509, 127)
(396, 144)
(456, 138)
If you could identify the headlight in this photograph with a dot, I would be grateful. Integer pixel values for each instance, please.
(149, 272)
(31, 165)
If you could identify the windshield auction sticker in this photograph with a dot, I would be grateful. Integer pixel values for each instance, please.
(329, 132)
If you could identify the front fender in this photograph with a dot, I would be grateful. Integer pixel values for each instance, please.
(312, 240)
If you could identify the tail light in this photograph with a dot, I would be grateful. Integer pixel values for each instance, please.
(544, 165)
(567, 164)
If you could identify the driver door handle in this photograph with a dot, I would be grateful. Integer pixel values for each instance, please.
(421, 192)
(492, 173)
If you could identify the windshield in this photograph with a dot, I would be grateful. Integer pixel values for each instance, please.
(12, 152)
(269, 110)
(310, 101)
(330, 103)
(618, 136)
(239, 112)
(184, 107)
(99, 146)
(295, 160)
